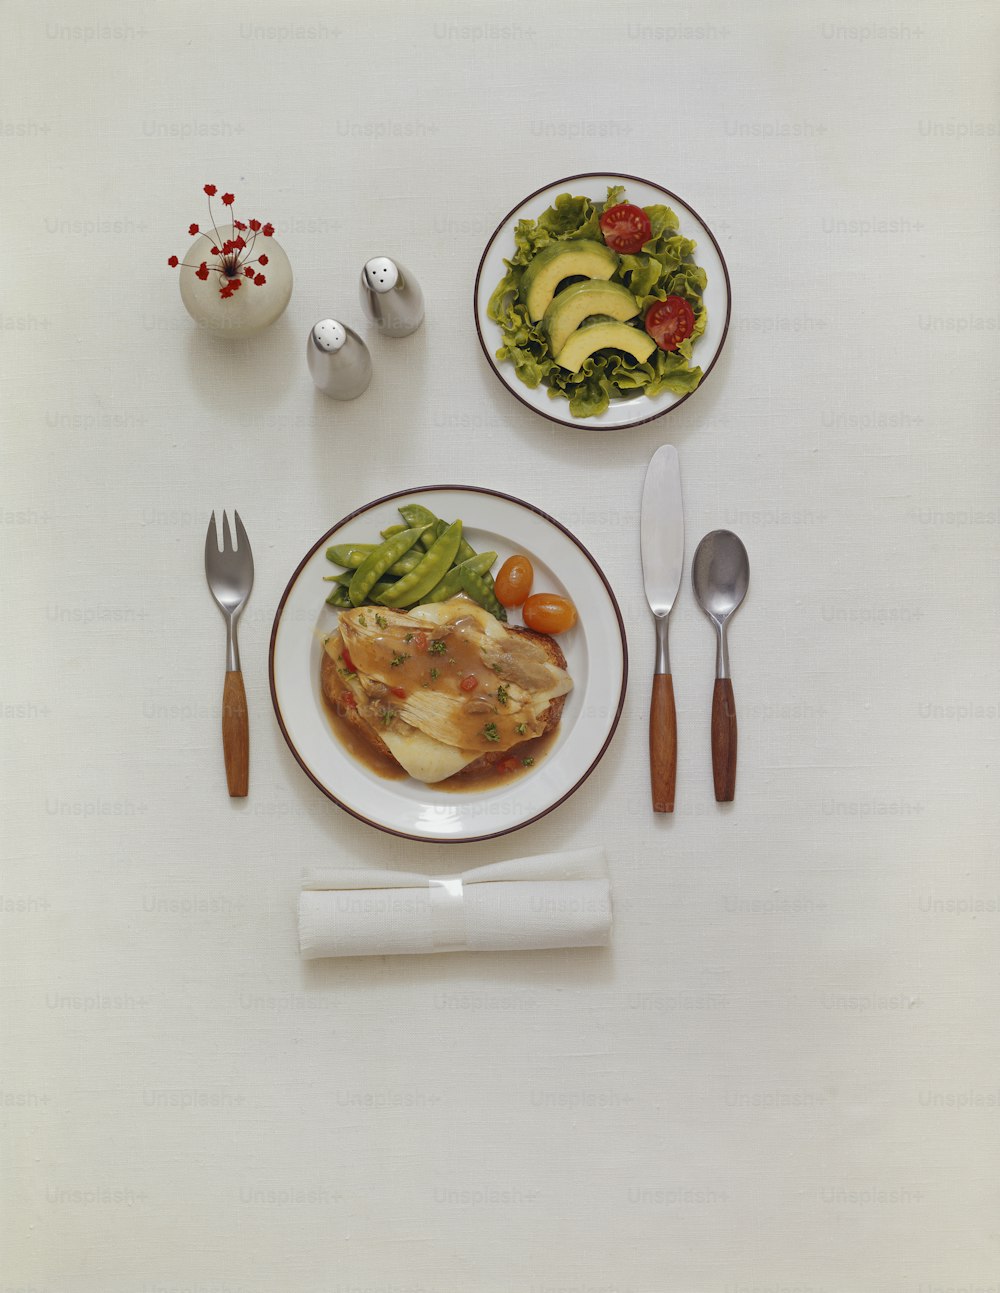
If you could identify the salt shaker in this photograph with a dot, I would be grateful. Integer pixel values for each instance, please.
(339, 361)
(391, 297)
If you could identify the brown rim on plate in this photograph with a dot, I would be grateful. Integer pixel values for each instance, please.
(593, 175)
(360, 511)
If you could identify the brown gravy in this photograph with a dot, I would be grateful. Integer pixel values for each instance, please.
(462, 782)
(485, 778)
(356, 745)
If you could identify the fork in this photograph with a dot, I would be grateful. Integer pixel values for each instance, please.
(230, 579)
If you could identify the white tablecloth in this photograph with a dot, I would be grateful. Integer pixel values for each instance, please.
(783, 1074)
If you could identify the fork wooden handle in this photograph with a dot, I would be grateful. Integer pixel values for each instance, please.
(663, 743)
(724, 741)
(236, 735)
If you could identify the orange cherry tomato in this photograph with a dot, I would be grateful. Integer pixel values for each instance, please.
(549, 613)
(513, 583)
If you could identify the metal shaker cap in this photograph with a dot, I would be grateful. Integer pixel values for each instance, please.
(339, 361)
(391, 297)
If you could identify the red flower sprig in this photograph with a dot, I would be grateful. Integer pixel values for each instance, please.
(235, 258)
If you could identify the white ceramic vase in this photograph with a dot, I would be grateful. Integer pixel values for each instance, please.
(250, 308)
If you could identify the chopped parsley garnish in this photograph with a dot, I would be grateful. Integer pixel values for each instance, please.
(502, 695)
(347, 673)
(381, 621)
(437, 647)
(434, 674)
(362, 621)
(527, 763)
(388, 714)
(397, 660)
(520, 729)
(490, 732)
(408, 638)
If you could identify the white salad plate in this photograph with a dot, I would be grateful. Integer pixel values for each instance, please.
(596, 657)
(625, 412)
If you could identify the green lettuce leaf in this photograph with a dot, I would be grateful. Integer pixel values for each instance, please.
(664, 267)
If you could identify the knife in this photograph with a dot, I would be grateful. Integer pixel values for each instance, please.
(661, 533)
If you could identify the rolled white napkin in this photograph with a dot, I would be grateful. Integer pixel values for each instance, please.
(553, 900)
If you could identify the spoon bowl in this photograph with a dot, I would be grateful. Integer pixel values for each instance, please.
(720, 575)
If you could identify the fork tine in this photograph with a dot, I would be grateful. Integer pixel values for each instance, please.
(211, 539)
(227, 538)
(243, 554)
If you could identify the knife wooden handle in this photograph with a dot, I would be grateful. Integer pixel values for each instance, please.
(236, 735)
(724, 741)
(663, 743)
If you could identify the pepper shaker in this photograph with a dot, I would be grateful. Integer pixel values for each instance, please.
(391, 297)
(339, 361)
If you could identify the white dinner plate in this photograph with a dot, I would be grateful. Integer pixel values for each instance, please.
(626, 412)
(596, 657)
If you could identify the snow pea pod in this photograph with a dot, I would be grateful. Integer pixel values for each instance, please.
(340, 597)
(417, 514)
(451, 584)
(429, 536)
(378, 561)
(348, 554)
(478, 589)
(352, 555)
(466, 552)
(419, 582)
(346, 576)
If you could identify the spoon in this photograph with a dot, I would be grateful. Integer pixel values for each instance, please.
(720, 574)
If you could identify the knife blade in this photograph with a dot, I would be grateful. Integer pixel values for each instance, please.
(661, 541)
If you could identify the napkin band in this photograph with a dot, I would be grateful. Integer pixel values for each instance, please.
(447, 897)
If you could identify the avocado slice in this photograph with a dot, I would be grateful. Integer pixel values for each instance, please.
(600, 334)
(577, 257)
(579, 301)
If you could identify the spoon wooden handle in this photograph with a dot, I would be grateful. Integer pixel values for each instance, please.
(663, 743)
(236, 735)
(724, 741)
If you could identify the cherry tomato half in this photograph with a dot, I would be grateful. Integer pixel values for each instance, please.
(513, 583)
(670, 322)
(469, 682)
(626, 227)
(549, 613)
